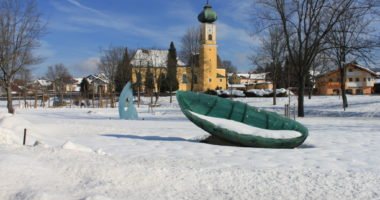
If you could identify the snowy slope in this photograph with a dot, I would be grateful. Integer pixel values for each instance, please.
(90, 154)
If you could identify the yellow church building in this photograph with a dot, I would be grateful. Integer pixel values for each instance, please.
(207, 75)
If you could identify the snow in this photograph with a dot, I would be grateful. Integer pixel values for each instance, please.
(248, 130)
(252, 76)
(158, 157)
(154, 57)
(266, 92)
(231, 92)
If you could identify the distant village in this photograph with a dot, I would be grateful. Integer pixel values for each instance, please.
(95, 89)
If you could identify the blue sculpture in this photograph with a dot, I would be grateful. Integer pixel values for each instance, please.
(131, 112)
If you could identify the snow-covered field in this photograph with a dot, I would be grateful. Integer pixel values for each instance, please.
(89, 154)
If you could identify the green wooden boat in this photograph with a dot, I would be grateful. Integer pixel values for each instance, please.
(195, 104)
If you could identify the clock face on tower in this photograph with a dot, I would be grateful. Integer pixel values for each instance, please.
(209, 30)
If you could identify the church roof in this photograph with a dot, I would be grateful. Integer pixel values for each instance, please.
(153, 57)
(208, 15)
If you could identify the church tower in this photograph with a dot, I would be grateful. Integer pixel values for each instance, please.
(208, 76)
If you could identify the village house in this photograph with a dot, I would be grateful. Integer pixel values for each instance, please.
(359, 80)
(247, 81)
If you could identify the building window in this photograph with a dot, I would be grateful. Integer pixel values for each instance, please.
(359, 91)
(209, 37)
(184, 78)
(350, 79)
(364, 79)
(350, 70)
(369, 79)
(221, 80)
(357, 79)
(330, 80)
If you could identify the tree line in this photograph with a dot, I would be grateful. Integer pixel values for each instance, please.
(304, 36)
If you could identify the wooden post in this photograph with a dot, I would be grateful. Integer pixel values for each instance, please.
(23, 143)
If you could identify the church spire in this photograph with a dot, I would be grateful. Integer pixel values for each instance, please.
(208, 15)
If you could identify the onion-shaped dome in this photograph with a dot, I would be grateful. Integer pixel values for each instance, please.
(208, 15)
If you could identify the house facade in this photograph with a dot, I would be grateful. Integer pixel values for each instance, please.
(359, 80)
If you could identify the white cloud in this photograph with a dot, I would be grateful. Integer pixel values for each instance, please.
(79, 5)
(240, 35)
(44, 50)
(86, 67)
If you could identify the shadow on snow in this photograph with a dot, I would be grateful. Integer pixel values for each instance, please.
(150, 138)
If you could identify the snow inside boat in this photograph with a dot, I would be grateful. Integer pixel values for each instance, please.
(239, 123)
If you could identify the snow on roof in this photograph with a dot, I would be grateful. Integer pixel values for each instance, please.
(156, 58)
(365, 69)
(236, 85)
(78, 80)
(43, 82)
(94, 77)
(250, 76)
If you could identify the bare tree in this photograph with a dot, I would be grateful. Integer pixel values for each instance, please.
(23, 80)
(230, 68)
(20, 29)
(60, 76)
(272, 54)
(305, 24)
(353, 39)
(190, 44)
(109, 62)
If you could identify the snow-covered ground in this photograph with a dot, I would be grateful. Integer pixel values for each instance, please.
(89, 154)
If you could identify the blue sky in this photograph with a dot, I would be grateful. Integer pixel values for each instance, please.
(78, 29)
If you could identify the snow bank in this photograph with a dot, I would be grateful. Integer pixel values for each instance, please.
(235, 93)
(269, 92)
(248, 130)
(76, 147)
(12, 129)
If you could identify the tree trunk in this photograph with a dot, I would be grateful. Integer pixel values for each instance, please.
(170, 90)
(343, 88)
(35, 100)
(310, 91)
(112, 100)
(151, 97)
(61, 101)
(301, 93)
(274, 92)
(8, 90)
(192, 78)
(25, 102)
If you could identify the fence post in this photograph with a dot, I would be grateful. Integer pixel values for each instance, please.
(23, 143)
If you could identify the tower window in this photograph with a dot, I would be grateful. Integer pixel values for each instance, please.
(209, 37)
(184, 78)
(209, 80)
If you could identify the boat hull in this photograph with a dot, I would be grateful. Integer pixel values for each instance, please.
(240, 112)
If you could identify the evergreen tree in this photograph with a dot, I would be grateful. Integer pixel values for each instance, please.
(84, 88)
(171, 78)
(162, 85)
(124, 71)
